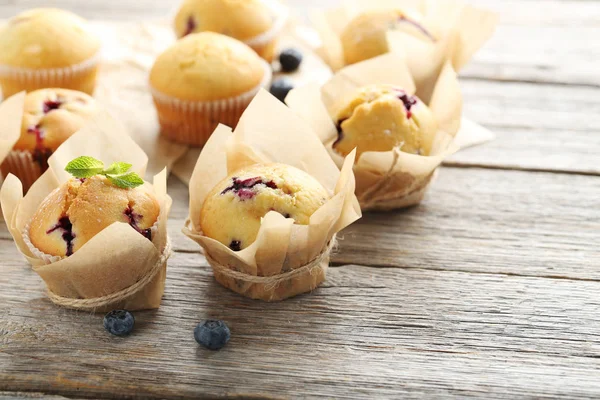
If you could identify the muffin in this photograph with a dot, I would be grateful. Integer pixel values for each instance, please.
(202, 80)
(383, 117)
(365, 36)
(233, 210)
(46, 48)
(79, 209)
(50, 117)
(254, 22)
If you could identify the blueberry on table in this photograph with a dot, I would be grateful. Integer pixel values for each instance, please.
(212, 334)
(280, 88)
(119, 322)
(290, 59)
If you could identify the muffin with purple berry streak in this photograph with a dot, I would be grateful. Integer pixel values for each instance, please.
(233, 211)
(359, 30)
(383, 117)
(95, 233)
(257, 23)
(399, 139)
(50, 116)
(81, 208)
(365, 36)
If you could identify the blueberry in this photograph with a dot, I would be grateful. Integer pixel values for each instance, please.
(290, 60)
(212, 334)
(280, 88)
(119, 322)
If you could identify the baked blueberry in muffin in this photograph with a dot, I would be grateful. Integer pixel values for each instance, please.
(382, 117)
(232, 212)
(50, 117)
(82, 207)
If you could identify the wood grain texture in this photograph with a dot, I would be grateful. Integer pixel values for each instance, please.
(368, 333)
(457, 316)
(486, 290)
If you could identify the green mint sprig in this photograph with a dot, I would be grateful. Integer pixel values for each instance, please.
(86, 167)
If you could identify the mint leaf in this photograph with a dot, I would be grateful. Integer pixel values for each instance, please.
(117, 168)
(84, 167)
(126, 181)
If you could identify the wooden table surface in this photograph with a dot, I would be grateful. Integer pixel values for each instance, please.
(490, 288)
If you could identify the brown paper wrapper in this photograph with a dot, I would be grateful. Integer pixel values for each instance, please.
(286, 259)
(443, 19)
(94, 277)
(392, 179)
(129, 50)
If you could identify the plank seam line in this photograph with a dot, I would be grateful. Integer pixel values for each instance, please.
(508, 274)
(466, 165)
(529, 81)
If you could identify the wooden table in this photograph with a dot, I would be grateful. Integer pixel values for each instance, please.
(490, 288)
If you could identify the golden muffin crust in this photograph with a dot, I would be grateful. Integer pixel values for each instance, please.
(207, 66)
(46, 38)
(79, 209)
(240, 19)
(381, 117)
(51, 116)
(365, 36)
(233, 210)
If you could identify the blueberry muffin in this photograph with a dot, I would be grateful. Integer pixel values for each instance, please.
(46, 48)
(202, 80)
(382, 117)
(255, 22)
(232, 212)
(365, 36)
(50, 117)
(79, 209)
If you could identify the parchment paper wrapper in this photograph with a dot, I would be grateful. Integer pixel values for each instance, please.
(117, 268)
(11, 115)
(443, 19)
(80, 77)
(392, 179)
(286, 259)
(129, 52)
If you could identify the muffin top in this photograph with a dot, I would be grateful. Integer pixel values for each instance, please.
(46, 38)
(233, 210)
(240, 19)
(79, 209)
(381, 117)
(365, 36)
(51, 116)
(207, 66)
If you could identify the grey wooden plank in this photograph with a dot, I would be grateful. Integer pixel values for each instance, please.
(507, 222)
(475, 220)
(367, 333)
(30, 395)
(538, 126)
